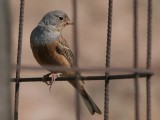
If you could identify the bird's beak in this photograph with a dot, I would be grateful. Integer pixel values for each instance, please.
(69, 22)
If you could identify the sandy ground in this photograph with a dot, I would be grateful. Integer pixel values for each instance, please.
(37, 103)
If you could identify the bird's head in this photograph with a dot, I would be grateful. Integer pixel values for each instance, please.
(56, 20)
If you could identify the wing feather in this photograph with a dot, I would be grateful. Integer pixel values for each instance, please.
(64, 49)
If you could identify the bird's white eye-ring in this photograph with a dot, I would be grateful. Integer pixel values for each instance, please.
(61, 18)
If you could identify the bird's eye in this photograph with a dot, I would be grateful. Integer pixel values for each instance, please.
(61, 18)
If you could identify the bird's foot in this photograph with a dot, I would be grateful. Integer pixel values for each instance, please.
(50, 82)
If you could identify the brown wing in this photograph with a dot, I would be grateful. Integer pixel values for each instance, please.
(64, 49)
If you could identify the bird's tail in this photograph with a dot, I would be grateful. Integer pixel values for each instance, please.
(92, 107)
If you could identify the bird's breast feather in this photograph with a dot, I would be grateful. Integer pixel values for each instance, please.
(43, 35)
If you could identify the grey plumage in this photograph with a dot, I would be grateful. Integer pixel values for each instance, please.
(43, 35)
(52, 18)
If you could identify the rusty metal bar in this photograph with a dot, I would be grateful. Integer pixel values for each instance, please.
(108, 53)
(110, 77)
(5, 60)
(75, 41)
(135, 64)
(19, 55)
(92, 69)
(148, 64)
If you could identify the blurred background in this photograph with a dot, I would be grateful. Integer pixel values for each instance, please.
(37, 103)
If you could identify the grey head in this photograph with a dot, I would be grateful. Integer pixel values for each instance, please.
(56, 20)
(49, 28)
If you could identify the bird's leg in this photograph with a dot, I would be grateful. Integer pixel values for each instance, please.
(53, 78)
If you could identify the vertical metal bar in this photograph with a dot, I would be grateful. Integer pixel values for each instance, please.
(19, 54)
(75, 35)
(108, 52)
(136, 84)
(5, 61)
(75, 40)
(135, 64)
(148, 66)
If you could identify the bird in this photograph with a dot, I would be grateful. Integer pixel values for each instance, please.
(50, 49)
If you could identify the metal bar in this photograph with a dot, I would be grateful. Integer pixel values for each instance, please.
(136, 97)
(108, 52)
(94, 69)
(5, 60)
(19, 55)
(148, 64)
(110, 77)
(135, 64)
(75, 41)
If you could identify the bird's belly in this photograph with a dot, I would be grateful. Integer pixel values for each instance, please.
(45, 56)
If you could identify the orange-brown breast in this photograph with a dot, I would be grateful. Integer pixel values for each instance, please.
(47, 55)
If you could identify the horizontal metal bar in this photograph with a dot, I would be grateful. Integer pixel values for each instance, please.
(91, 69)
(111, 77)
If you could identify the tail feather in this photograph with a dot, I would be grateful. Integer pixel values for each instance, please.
(92, 107)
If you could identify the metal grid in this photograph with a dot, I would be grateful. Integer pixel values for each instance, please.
(135, 72)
